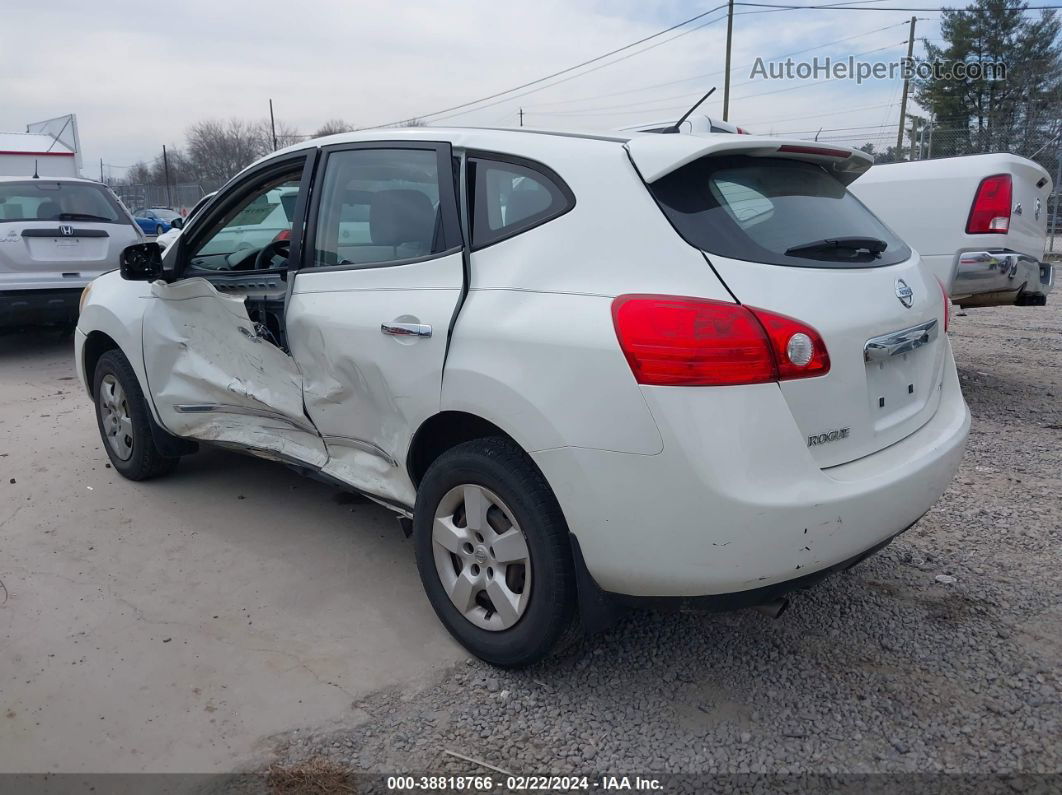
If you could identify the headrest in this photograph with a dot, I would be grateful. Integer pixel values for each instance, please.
(401, 216)
(48, 211)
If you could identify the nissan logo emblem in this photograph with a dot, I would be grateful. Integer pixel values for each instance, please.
(904, 293)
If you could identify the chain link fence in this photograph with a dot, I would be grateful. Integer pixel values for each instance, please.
(177, 197)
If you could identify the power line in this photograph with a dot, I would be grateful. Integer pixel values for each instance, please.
(719, 72)
(596, 59)
(886, 8)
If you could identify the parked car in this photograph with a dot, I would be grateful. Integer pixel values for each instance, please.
(587, 372)
(155, 220)
(979, 222)
(56, 235)
(166, 238)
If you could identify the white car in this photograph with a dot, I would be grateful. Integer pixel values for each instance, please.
(591, 370)
(56, 235)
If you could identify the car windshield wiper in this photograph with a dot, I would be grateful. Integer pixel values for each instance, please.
(871, 245)
(82, 217)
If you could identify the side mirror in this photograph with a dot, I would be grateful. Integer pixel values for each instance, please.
(142, 262)
(177, 223)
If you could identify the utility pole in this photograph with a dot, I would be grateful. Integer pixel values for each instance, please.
(166, 171)
(521, 117)
(273, 125)
(906, 86)
(726, 76)
(101, 169)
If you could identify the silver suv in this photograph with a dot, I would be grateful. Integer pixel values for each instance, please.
(56, 235)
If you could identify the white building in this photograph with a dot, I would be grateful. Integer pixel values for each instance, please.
(49, 148)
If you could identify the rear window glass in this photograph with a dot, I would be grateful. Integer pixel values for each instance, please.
(509, 198)
(758, 209)
(42, 200)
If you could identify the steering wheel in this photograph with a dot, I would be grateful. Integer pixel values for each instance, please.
(278, 248)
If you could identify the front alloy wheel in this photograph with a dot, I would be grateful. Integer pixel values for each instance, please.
(115, 422)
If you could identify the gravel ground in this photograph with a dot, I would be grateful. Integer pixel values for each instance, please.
(941, 653)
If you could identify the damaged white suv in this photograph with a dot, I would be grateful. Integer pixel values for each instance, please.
(593, 371)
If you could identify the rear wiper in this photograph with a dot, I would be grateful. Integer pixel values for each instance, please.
(82, 217)
(871, 245)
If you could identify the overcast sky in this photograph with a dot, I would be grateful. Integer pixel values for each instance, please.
(138, 74)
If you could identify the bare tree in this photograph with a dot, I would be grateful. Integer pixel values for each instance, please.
(218, 149)
(138, 174)
(286, 134)
(414, 122)
(333, 127)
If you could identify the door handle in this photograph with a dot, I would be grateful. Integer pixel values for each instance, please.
(406, 329)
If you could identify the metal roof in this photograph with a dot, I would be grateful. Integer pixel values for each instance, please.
(15, 143)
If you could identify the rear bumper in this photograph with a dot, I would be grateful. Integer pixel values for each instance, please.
(735, 503)
(32, 307)
(999, 278)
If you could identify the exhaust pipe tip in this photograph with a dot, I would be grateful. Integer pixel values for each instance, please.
(774, 608)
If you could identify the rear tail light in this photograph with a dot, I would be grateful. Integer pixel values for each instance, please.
(947, 305)
(283, 234)
(990, 212)
(676, 341)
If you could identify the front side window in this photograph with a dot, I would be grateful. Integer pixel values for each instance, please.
(776, 211)
(41, 200)
(379, 206)
(509, 198)
(259, 223)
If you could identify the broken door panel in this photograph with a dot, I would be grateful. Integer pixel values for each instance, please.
(213, 378)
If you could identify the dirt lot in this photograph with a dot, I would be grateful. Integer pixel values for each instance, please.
(236, 614)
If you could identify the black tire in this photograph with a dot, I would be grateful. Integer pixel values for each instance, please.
(158, 230)
(503, 468)
(145, 460)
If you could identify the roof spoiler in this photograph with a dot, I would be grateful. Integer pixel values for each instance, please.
(656, 156)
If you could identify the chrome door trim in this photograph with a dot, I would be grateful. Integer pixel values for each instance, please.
(406, 329)
(247, 411)
(878, 349)
(360, 444)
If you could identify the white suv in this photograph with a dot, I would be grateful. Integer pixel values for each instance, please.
(592, 371)
(56, 235)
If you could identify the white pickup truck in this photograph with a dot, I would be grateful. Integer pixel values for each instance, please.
(978, 221)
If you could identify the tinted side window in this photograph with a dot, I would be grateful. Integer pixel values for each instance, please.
(379, 206)
(509, 198)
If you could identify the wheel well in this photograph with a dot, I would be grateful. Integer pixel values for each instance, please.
(443, 431)
(96, 345)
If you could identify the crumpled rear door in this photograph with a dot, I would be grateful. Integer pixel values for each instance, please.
(213, 378)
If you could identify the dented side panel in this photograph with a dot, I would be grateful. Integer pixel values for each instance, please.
(213, 378)
(367, 391)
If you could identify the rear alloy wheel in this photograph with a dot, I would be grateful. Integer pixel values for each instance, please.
(124, 421)
(481, 557)
(493, 552)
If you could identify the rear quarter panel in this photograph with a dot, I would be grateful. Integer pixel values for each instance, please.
(534, 347)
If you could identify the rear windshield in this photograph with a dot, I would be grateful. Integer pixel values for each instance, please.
(41, 200)
(781, 212)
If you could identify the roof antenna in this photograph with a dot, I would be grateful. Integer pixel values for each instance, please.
(686, 115)
(35, 174)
